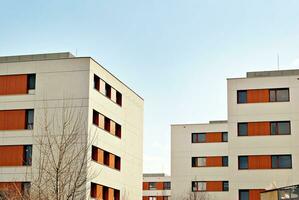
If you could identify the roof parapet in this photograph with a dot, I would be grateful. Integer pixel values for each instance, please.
(291, 72)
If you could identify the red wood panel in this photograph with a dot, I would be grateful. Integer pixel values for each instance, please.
(258, 128)
(11, 189)
(259, 162)
(159, 197)
(159, 185)
(12, 119)
(255, 194)
(145, 186)
(214, 137)
(214, 186)
(258, 96)
(11, 155)
(215, 161)
(145, 198)
(13, 84)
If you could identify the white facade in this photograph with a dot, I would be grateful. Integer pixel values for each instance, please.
(63, 78)
(182, 149)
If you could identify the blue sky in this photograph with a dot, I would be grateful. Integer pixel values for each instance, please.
(176, 54)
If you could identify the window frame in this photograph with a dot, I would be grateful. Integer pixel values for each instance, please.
(223, 136)
(239, 163)
(277, 127)
(197, 138)
(247, 191)
(238, 96)
(27, 156)
(275, 90)
(29, 124)
(278, 165)
(167, 185)
(196, 185)
(225, 186)
(242, 123)
(225, 161)
(31, 85)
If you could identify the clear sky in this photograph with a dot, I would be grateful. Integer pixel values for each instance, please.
(176, 54)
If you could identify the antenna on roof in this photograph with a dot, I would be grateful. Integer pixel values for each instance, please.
(76, 52)
(278, 61)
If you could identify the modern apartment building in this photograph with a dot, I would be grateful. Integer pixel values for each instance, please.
(254, 150)
(156, 187)
(113, 112)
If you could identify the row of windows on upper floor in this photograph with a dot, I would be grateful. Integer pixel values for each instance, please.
(157, 185)
(246, 129)
(156, 198)
(263, 95)
(246, 161)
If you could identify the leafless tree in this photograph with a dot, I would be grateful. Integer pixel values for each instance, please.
(61, 152)
(197, 196)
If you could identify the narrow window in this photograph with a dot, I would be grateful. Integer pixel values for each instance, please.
(106, 158)
(198, 161)
(242, 129)
(243, 194)
(29, 119)
(224, 161)
(108, 90)
(105, 192)
(96, 82)
(95, 118)
(118, 130)
(27, 155)
(199, 186)
(272, 95)
(26, 188)
(242, 96)
(94, 153)
(243, 162)
(31, 81)
(107, 124)
(152, 185)
(119, 98)
(225, 186)
(116, 195)
(166, 185)
(117, 162)
(224, 137)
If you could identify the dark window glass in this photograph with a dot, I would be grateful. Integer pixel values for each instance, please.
(119, 98)
(225, 186)
(273, 128)
(29, 119)
(243, 194)
(107, 124)
(282, 95)
(282, 162)
(242, 96)
(117, 162)
(27, 155)
(106, 158)
(118, 130)
(116, 194)
(108, 90)
(152, 185)
(242, 129)
(272, 95)
(95, 117)
(31, 81)
(243, 162)
(166, 185)
(283, 128)
(26, 188)
(225, 161)
(224, 137)
(201, 137)
(96, 82)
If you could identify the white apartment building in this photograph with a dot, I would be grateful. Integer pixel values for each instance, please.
(156, 187)
(256, 149)
(112, 113)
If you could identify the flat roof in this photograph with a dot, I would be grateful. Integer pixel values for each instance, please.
(210, 122)
(154, 175)
(53, 56)
(290, 72)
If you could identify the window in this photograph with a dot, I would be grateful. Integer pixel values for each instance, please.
(152, 185)
(166, 198)
(152, 198)
(118, 98)
(243, 194)
(279, 95)
(26, 188)
(225, 186)
(29, 119)
(198, 137)
(108, 90)
(27, 155)
(225, 161)
(242, 129)
(166, 185)
(95, 118)
(118, 130)
(224, 137)
(243, 162)
(106, 158)
(117, 162)
(242, 96)
(199, 186)
(107, 124)
(280, 128)
(198, 161)
(96, 82)
(31, 81)
(282, 162)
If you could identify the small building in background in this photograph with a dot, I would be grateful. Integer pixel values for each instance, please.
(283, 193)
(156, 187)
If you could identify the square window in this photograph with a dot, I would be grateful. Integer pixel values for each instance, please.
(243, 162)
(152, 186)
(282, 95)
(283, 128)
(166, 185)
(243, 194)
(201, 137)
(242, 129)
(242, 96)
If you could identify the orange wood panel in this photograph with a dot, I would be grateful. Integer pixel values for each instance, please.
(214, 186)
(258, 128)
(102, 87)
(259, 162)
(214, 137)
(255, 194)
(16, 119)
(145, 186)
(145, 198)
(100, 156)
(257, 96)
(110, 194)
(3, 85)
(112, 127)
(159, 185)
(111, 160)
(11, 155)
(101, 121)
(13, 84)
(159, 197)
(99, 192)
(113, 95)
(215, 161)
